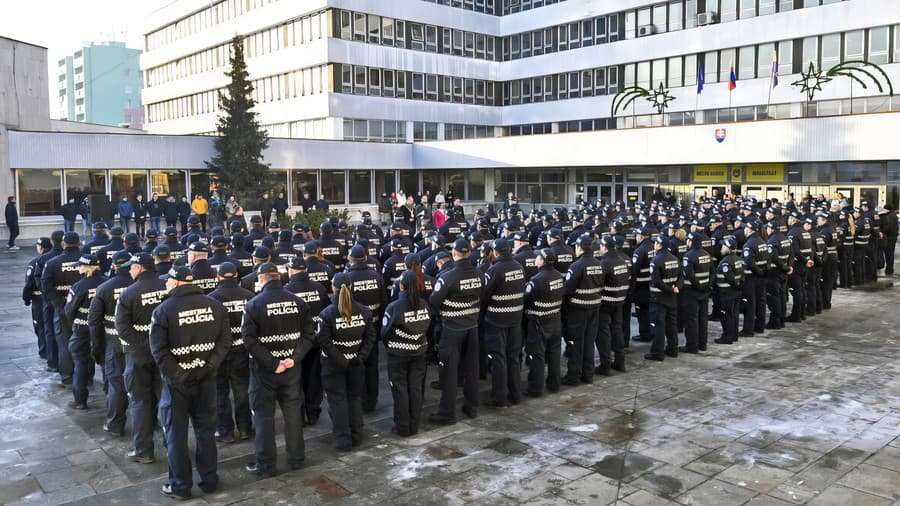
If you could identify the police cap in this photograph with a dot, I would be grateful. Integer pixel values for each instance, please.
(44, 242)
(89, 260)
(274, 225)
(256, 219)
(412, 259)
(298, 227)
(227, 270)
(261, 252)
(117, 231)
(152, 235)
(132, 238)
(219, 242)
(462, 246)
(142, 259)
(298, 263)
(730, 243)
(193, 220)
(501, 246)
(358, 253)
(71, 238)
(179, 273)
(99, 226)
(547, 254)
(310, 247)
(121, 258)
(162, 252)
(284, 235)
(585, 242)
(267, 268)
(171, 232)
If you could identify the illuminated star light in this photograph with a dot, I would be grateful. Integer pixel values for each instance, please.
(811, 82)
(660, 98)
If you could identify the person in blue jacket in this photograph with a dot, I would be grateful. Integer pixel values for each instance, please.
(126, 212)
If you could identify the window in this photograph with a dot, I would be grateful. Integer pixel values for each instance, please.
(431, 38)
(766, 56)
(128, 182)
(361, 189)
(660, 22)
(39, 192)
(416, 36)
(726, 60)
(600, 81)
(333, 186)
(766, 7)
(385, 182)
(810, 52)
(359, 80)
(418, 86)
(346, 26)
(600, 29)
(81, 183)
(469, 39)
(630, 24)
(399, 33)
(785, 5)
(457, 43)
(746, 62)
(374, 82)
(401, 84)
(748, 9)
(675, 73)
(587, 33)
(612, 80)
(854, 43)
(643, 74)
(690, 13)
(387, 31)
(878, 45)
(475, 184)
(574, 36)
(831, 50)
(168, 182)
(785, 56)
(431, 87)
(690, 70)
(387, 83)
(676, 14)
(896, 44)
(587, 83)
(728, 11)
(659, 73)
(359, 27)
(711, 67)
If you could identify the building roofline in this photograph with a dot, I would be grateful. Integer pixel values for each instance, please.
(21, 42)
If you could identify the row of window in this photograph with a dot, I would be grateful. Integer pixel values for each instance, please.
(303, 129)
(375, 130)
(454, 131)
(375, 29)
(496, 7)
(297, 83)
(199, 21)
(376, 82)
(303, 30)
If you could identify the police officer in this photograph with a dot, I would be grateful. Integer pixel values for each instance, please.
(801, 249)
(616, 283)
(219, 255)
(78, 303)
(502, 303)
(457, 299)
(781, 265)
(314, 294)
(640, 265)
(99, 240)
(202, 273)
(255, 234)
(32, 295)
(756, 262)
(318, 270)
(698, 271)
(57, 278)
(283, 248)
(151, 241)
(729, 285)
(523, 254)
(830, 265)
(233, 375)
(394, 266)
(368, 289)
(240, 257)
(845, 232)
(278, 332)
(665, 285)
(404, 332)
(189, 338)
(105, 346)
(176, 249)
(814, 276)
(142, 379)
(582, 288)
(564, 254)
(861, 245)
(543, 313)
(332, 248)
(346, 336)
(251, 281)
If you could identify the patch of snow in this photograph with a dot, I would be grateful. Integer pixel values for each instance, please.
(591, 427)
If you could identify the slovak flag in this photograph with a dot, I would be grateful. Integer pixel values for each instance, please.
(775, 69)
(732, 80)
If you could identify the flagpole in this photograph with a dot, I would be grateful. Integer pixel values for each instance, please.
(730, 89)
(771, 83)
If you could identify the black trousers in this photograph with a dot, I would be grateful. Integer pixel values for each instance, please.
(80, 351)
(813, 293)
(233, 378)
(665, 328)
(625, 321)
(194, 403)
(696, 319)
(775, 299)
(872, 260)
(267, 389)
(62, 331)
(609, 338)
(829, 273)
(37, 321)
(140, 226)
(312, 384)
(116, 396)
(890, 244)
(543, 343)
(458, 354)
(49, 310)
(407, 376)
(203, 222)
(344, 391)
(581, 331)
(370, 394)
(642, 308)
(797, 287)
(729, 306)
(143, 383)
(845, 266)
(859, 264)
(503, 347)
(753, 305)
(13, 233)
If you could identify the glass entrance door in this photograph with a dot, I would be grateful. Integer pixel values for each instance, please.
(599, 192)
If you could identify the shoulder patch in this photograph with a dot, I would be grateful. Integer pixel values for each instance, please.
(438, 285)
(686, 261)
(725, 268)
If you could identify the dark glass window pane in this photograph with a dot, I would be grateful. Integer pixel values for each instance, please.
(39, 193)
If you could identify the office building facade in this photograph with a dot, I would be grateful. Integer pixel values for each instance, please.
(101, 83)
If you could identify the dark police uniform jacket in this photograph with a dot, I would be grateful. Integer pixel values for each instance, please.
(544, 296)
(698, 270)
(106, 253)
(342, 339)
(564, 256)
(404, 329)
(58, 276)
(189, 335)
(665, 275)
(102, 313)
(394, 267)
(457, 296)
(616, 278)
(78, 302)
(525, 256)
(319, 272)
(368, 288)
(504, 292)
(312, 292)
(801, 247)
(584, 284)
(756, 256)
(234, 299)
(204, 275)
(134, 311)
(640, 261)
(730, 274)
(781, 258)
(276, 325)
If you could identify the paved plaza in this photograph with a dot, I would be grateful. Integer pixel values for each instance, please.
(805, 415)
